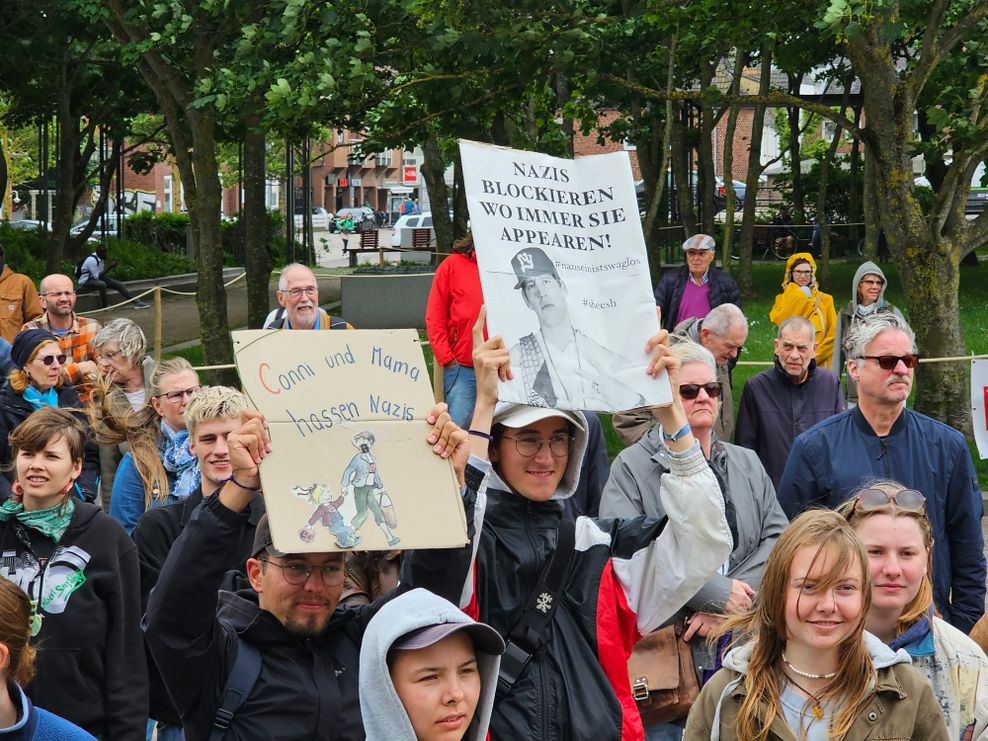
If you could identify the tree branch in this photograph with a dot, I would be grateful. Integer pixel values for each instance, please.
(934, 52)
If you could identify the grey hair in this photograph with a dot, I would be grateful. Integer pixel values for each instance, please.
(801, 323)
(128, 336)
(167, 368)
(722, 318)
(691, 352)
(864, 331)
(283, 278)
(213, 402)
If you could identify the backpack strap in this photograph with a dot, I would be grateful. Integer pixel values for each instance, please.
(243, 675)
(531, 632)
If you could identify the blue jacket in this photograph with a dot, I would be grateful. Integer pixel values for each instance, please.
(127, 497)
(669, 292)
(35, 724)
(840, 454)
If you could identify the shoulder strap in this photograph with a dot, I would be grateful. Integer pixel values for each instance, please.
(531, 632)
(246, 669)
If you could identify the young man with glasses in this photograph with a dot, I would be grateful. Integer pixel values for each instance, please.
(75, 333)
(882, 438)
(298, 295)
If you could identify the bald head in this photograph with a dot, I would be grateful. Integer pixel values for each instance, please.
(57, 297)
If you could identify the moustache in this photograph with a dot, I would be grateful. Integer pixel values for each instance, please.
(897, 379)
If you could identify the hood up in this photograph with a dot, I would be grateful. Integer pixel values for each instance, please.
(868, 268)
(795, 257)
(383, 714)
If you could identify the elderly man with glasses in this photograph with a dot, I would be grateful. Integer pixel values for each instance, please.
(75, 333)
(882, 439)
(298, 295)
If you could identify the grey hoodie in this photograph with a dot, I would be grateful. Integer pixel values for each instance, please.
(383, 714)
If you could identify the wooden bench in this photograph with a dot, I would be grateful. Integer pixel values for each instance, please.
(368, 243)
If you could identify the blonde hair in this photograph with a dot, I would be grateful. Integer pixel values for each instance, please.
(832, 536)
(20, 379)
(213, 402)
(920, 604)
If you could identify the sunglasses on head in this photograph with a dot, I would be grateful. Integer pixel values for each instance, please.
(888, 362)
(49, 359)
(691, 390)
(908, 500)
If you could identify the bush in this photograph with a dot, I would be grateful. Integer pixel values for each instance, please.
(26, 251)
(166, 231)
(233, 242)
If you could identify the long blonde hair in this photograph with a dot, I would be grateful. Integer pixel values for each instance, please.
(831, 536)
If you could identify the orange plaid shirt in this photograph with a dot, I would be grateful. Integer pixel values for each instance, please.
(77, 344)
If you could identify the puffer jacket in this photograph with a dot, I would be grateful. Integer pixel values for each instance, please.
(626, 578)
(818, 307)
(669, 291)
(902, 708)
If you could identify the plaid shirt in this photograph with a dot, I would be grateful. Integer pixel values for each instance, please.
(77, 344)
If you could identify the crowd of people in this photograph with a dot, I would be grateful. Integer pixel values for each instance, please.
(808, 570)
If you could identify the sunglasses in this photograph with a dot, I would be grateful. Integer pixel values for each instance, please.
(888, 362)
(49, 359)
(690, 391)
(908, 500)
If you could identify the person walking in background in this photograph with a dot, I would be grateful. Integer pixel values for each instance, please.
(454, 303)
(801, 296)
(697, 287)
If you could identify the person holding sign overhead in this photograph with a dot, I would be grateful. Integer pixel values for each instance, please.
(572, 598)
(559, 366)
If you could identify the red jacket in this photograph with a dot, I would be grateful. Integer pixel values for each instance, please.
(454, 302)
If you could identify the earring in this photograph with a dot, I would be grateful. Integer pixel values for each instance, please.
(17, 491)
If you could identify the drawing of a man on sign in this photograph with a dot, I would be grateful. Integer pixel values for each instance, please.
(559, 365)
(362, 478)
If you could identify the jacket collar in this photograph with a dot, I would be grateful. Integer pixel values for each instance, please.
(782, 372)
(862, 424)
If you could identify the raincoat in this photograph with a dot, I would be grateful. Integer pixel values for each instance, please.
(818, 307)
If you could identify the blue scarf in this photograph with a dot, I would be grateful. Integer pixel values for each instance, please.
(182, 466)
(917, 638)
(37, 399)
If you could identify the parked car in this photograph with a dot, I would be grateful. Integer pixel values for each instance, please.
(321, 218)
(408, 222)
(363, 218)
(29, 225)
(112, 230)
(977, 197)
(720, 193)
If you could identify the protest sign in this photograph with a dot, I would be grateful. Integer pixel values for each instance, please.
(979, 405)
(350, 467)
(565, 276)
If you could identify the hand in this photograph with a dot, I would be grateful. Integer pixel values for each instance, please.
(740, 598)
(672, 417)
(701, 624)
(491, 361)
(248, 445)
(87, 368)
(448, 440)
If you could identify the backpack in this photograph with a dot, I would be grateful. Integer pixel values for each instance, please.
(243, 675)
(78, 267)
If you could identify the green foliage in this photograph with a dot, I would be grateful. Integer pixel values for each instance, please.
(166, 231)
(838, 187)
(233, 240)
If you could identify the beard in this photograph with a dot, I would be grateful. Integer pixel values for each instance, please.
(308, 627)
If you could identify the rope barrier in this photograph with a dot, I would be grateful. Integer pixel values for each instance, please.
(152, 289)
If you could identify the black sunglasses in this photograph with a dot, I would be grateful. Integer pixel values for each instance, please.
(690, 391)
(49, 359)
(888, 362)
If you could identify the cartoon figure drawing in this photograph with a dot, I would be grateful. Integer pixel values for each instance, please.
(361, 476)
(327, 514)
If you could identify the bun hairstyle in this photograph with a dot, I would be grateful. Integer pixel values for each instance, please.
(15, 633)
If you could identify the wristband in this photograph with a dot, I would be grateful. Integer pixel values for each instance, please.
(237, 483)
(679, 435)
(478, 433)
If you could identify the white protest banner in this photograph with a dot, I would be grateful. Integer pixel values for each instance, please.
(979, 405)
(565, 276)
(350, 467)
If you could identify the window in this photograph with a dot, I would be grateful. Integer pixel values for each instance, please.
(829, 130)
(169, 204)
(427, 221)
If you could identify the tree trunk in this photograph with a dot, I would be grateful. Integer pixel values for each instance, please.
(823, 277)
(796, 154)
(563, 96)
(65, 173)
(730, 129)
(680, 175)
(254, 219)
(434, 174)
(705, 150)
(461, 214)
(873, 226)
(854, 196)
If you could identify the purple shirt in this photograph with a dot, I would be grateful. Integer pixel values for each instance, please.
(695, 301)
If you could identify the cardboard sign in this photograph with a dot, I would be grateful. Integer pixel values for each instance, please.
(350, 467)
(565, 276)
(979, 405)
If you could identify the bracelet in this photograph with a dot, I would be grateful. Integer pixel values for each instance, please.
(679, 435)
(478, 433)
(237, 483)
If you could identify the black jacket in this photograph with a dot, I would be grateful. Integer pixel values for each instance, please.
(90, 667)
(774, 411)
(154, 534)
(308, 687)
(669, 292)
(14, 410)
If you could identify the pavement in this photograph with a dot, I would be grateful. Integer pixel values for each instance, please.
(329, 249)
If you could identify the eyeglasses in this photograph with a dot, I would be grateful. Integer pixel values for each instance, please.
(528, 446)
(310, 291)
(908, 500)
(869, 282)
(110, 354)
(49, 359)
(888, 362)
(59, 294)
(298, 574)
(802, 272)
(690, 391)
(179, 393)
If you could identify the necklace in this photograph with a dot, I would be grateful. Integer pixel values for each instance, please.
(807, 675)
(815, 708)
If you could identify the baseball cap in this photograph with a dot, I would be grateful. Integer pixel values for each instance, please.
(262, 539)
(700, 242)
(531, 262)
(516, 416)
(485, 638)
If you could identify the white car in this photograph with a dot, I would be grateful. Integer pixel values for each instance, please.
(409, 222)
(320, 218)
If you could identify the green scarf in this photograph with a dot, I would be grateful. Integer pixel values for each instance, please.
(51, 522)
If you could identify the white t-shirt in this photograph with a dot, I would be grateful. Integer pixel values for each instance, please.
(136, 399)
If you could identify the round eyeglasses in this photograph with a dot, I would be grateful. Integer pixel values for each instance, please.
(528, 446)
(298, 574)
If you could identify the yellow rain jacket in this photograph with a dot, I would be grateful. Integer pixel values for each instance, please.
(818, 307)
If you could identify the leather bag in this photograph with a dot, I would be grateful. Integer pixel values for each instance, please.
(663, 676)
